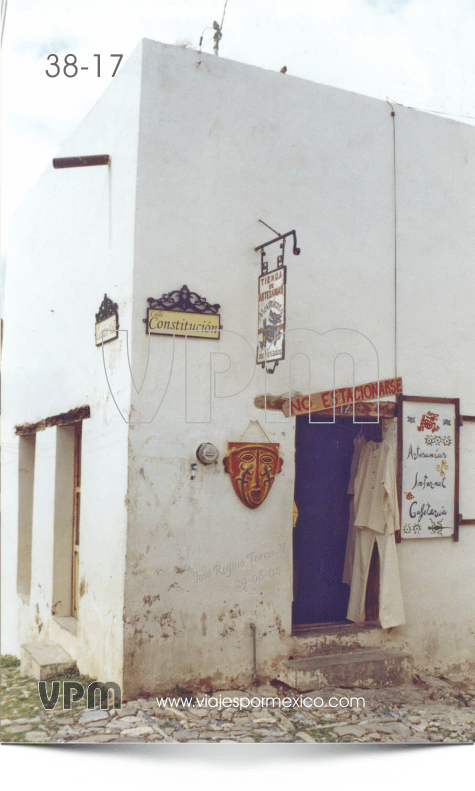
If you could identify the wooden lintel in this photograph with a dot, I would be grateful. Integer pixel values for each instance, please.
(64, 419)
(273, 402)
(81, 162)
(387, 409)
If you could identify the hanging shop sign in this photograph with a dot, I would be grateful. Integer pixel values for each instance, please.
(428, 456)
(107, 322)
(342, 397)
(271, 317)
(183, 312)
(271, 303)
(252, 467)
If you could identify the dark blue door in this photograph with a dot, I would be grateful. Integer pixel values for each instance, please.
(323, 462)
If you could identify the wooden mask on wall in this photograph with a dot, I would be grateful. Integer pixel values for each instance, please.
(252, 467)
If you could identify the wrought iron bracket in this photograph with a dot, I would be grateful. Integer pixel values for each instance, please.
(107, 309)
(271, 370)
(184, 300)
(280, 258)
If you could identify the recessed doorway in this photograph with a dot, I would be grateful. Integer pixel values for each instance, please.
(324, 452)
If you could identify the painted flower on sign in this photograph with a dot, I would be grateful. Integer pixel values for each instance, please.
(428, 421)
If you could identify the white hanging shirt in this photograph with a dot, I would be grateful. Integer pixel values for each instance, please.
(359, 443)
(376, 504)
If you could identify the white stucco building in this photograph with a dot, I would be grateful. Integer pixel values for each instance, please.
(169, 567)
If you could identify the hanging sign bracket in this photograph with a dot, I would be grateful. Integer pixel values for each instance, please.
(280, 258)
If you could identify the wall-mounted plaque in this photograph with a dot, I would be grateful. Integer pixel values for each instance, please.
(271, 316)
(169, 322)
(183, 312)
(107, 321)
(428, 455)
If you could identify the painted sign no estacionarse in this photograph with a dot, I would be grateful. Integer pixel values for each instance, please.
(342, 396)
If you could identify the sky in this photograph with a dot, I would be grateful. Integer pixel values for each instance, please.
(418, 53)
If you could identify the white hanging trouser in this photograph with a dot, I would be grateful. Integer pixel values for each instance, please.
(391, 609)
(376, 517)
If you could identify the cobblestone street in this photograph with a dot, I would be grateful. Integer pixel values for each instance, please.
(433, 709)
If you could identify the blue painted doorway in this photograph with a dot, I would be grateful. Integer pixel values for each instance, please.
(322, 472)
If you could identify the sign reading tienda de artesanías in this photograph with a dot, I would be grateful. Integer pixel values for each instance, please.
(271, 316)
(429, 468)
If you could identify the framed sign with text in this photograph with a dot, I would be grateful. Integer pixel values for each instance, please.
(183, 313)
(271, 301)
(107, 322)
(169, 322)
(428, 466)
(271, 316)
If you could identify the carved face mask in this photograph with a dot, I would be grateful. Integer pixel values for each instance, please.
(252, 467)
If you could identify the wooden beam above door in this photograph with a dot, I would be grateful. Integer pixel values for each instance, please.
(387, 409)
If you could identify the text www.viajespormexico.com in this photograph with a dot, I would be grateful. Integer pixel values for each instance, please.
(302, 701)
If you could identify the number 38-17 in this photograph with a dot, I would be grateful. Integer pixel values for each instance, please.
(70, 69)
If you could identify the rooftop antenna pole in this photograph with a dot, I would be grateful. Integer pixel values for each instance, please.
(217, 36)
(218, 32)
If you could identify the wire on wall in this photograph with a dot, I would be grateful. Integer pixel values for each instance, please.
(430, 110)
(393, 115)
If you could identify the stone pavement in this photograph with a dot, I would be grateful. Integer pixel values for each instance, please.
(434, 709)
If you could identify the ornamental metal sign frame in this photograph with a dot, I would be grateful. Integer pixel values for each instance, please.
(107, 321)
(172, 315)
